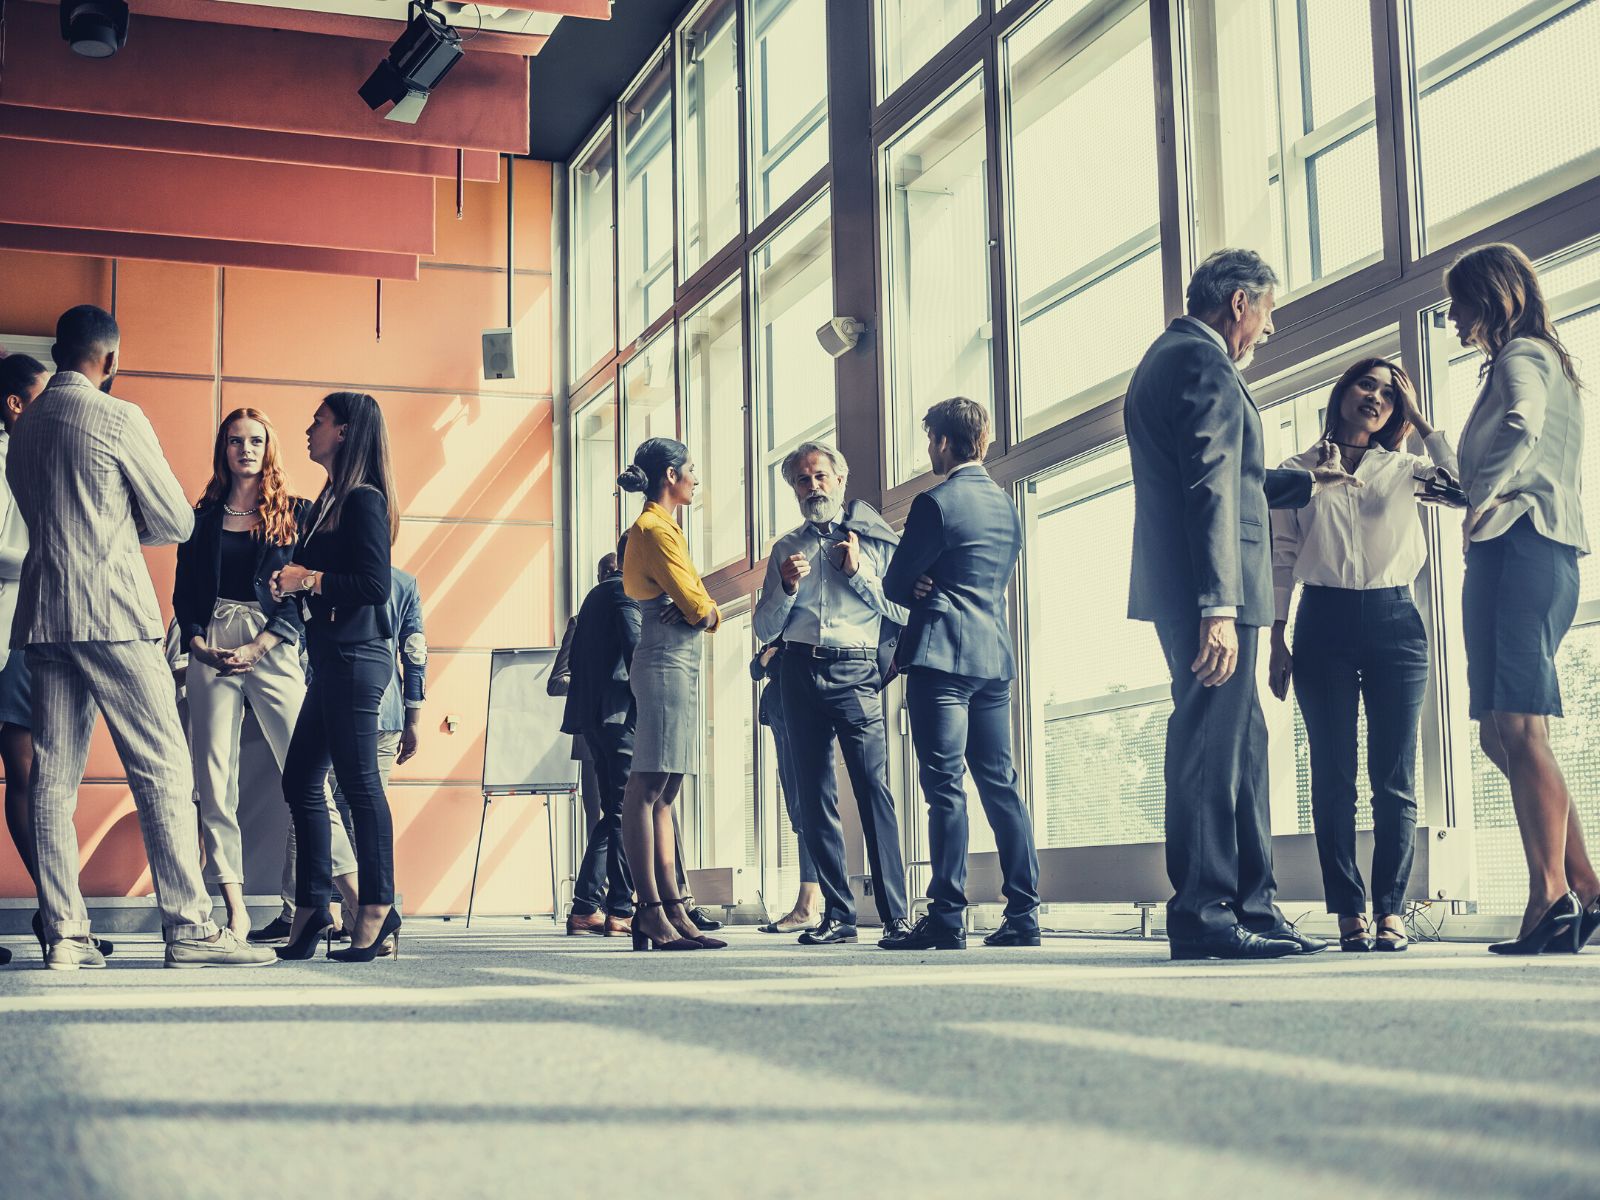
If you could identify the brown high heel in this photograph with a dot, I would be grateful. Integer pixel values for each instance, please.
(708, 943)
(643, 941)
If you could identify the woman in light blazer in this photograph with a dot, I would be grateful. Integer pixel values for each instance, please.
(1521, 450)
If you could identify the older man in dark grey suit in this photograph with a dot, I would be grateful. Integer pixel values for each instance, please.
(92, 485)
(1202, 572)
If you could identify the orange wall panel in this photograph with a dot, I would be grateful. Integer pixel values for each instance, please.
(478, 237)
(484, 586)
(168, 314)
(109, 842)
(461, 455)
(35, 289)
(278, 325)
(435, 834)
(183, 412)
(458, 686)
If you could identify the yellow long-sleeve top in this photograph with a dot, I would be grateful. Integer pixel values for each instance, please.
(657, 562)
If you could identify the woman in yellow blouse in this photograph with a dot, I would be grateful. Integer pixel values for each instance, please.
(665, 676)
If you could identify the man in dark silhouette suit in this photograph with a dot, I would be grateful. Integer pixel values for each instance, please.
(952, 568)
(1202, 572)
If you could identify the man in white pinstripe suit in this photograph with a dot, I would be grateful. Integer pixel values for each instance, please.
(92, 484)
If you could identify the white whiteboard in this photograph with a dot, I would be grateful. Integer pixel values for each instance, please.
(524, 749)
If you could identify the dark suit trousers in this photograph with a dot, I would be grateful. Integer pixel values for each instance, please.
(1219, 821)
(824, 700)
(603, 877)
(960, 724)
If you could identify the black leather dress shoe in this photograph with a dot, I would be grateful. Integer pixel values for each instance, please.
(925, 935)
(275, 930)
(704, 921)
(1015, 931)
(829, 933)
(897, 927)
(1288, 933)
(1237, 942)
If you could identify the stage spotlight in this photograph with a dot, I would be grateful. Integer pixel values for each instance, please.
(419, 59)
(94, 28)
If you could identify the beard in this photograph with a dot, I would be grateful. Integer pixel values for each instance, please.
(821, 508)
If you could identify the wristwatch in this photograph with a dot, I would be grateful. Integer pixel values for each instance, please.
(309, 582)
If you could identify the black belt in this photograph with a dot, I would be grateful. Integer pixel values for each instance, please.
(811, 651)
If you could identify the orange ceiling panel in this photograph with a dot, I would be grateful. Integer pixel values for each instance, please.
(253, 78)
(227, 199)
(181, 137)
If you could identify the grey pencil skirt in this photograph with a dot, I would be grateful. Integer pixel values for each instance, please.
(665, 676)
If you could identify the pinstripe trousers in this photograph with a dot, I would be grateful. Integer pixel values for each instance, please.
(131, 684)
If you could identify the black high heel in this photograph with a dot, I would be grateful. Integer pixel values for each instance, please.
(706, 943)
(354, 953)
(1558, 929)
(643, 941)
(318, 928)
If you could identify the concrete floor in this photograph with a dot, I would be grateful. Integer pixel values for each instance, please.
(510, 1061)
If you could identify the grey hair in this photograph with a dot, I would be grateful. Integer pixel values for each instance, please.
(791, 461)
(1215, 281)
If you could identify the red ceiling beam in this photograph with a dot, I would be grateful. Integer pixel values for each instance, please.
(182, 137)
(599, 10)
(133, 191)
(98, 243)
(233, 75)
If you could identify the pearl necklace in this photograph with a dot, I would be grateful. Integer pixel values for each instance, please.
(239, 512)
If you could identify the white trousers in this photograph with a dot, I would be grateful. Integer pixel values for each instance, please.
(275, 688)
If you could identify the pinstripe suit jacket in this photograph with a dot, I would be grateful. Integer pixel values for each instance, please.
(93, 485)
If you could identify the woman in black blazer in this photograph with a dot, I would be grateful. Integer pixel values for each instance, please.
(339, 578)
(243, 643)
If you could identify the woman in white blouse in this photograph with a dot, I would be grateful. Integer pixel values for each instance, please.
(1359, 639)
(1521, 458)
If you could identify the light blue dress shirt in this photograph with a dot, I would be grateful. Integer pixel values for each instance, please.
(828, 608)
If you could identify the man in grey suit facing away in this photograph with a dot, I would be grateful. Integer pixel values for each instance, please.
(92, 485)
(1202, 572)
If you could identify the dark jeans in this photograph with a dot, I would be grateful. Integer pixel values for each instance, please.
(787, 784)
(960, 724)
(1218, 818)
(338, 729)
(1350, 648)
(837, 698)
(603, 877)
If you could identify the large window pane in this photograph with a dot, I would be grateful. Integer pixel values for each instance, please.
(910, 32)
(788, 80)
(1299, 184)
(594, 486)
(714, 426)
(647, 200)
(1507, 106)
(594, 267)
(722, 797)
(1099, 696)
(935, 207)
(649, 394)
(793, 385)
(1086, 270)
(708, 66)
(1572, 288)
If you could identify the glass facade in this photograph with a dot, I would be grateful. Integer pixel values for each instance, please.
(1031, 185)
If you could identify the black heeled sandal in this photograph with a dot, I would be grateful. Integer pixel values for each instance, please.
(354, 953)
(1558, 929)
(706, 943)
(1390, 939)
(304, 947)
(1358, 941)
(643, 941)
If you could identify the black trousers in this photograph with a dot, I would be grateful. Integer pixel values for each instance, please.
(828, 699)
(1218, 818)
(1352, 648)
(338, 729)
(603, 877)
(960, 724)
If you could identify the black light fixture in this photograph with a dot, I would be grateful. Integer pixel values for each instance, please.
(419, 59)
(94, 28)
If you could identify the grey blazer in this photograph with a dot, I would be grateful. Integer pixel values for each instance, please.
(93, 486)
(1200, 488)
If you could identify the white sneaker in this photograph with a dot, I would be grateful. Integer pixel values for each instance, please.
(71, 953)
(227, 951)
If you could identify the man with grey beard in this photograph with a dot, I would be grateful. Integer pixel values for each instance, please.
(823, 595)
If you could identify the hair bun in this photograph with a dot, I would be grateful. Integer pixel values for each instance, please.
(632, 479)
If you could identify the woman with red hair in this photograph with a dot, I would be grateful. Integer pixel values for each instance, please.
(243, 644)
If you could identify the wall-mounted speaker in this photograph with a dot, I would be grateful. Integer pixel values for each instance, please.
(499, 354)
